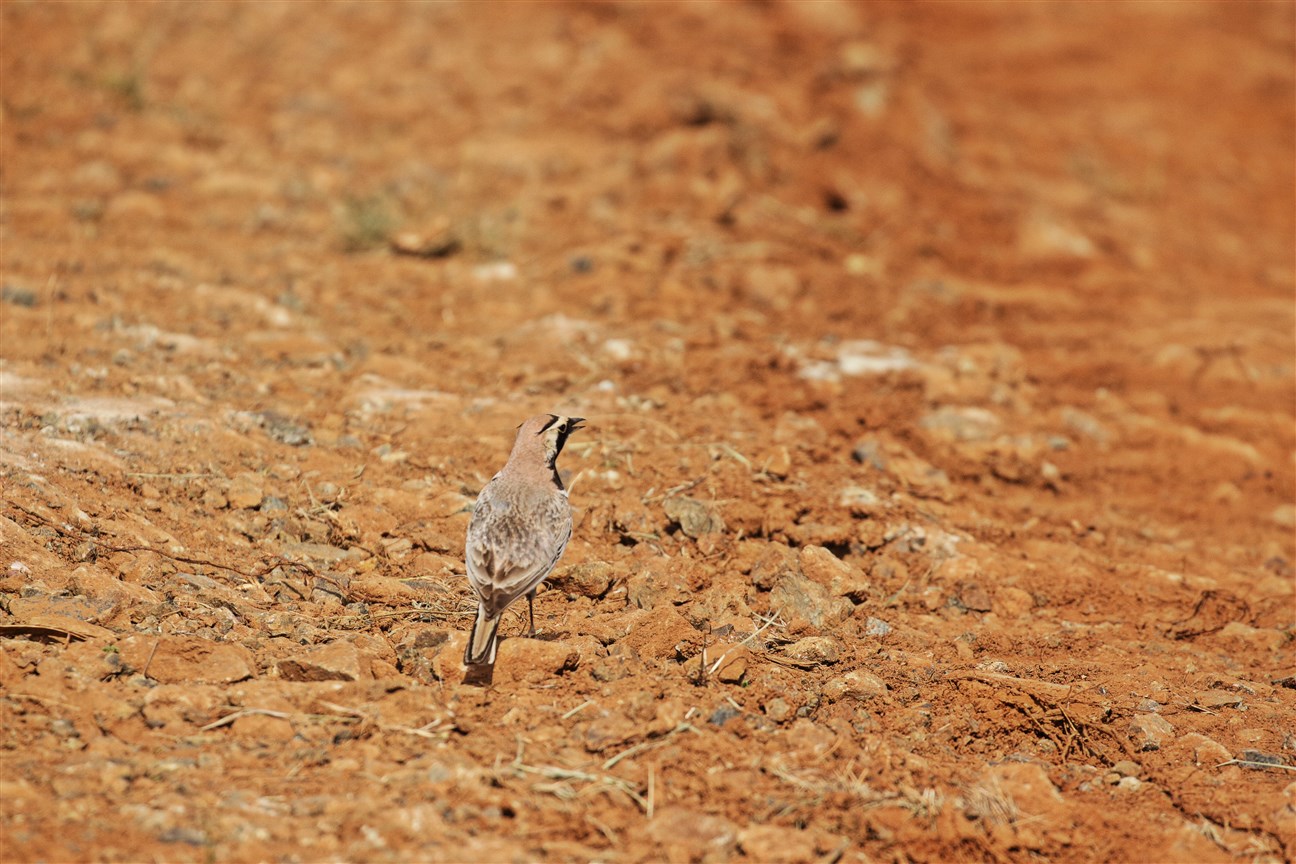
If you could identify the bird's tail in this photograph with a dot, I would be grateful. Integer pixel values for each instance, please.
(481, 642)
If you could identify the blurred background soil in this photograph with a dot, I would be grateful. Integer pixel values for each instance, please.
(937, 500)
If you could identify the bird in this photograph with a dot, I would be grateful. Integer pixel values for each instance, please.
(520, 526)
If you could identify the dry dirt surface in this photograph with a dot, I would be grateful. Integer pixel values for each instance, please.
(937, 499)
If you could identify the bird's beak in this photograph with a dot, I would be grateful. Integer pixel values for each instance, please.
(573, 423)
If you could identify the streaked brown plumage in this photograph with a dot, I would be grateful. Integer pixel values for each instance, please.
(519, 529)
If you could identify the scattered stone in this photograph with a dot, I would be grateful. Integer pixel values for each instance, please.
(1199, 750)
(336, 661)
(778, 710)
(681, 831)
(533, 661)
(694, 517)
(862, 502)
(446, 665)
(876, 627)
(856, 684)
(621, 661)
(17, 295)
(922, 479)
(732, 663)
(1260, 761)
(1127, 768)
(1217, 699)
(330, 586)
(264, 728)
(591, 579)
(214, 499)
(1011, 602)
(814, 651)
(769, 286)
(371, 588)
(246, 491)
(796, 597)
(285, 430)
(774, 562)
(974, 598)
(1149, 731)
(1085, 424)
(777, 462)
(724, 607)
(775, 843)
(961, 424)
(1021, 797)
(658, 583)
(174, 707)
(1265, 639)
(663, 634)
(868, 451)
(272, 504)
(856, 357)
(824, 568)
(723, 714)
(609, 729)
(187, 659)
(888, 570)
(1047, 238)
(1284, 515)
(60, 618)
(727, 663)
(437, 240)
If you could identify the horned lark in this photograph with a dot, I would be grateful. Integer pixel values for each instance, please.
(520, 526)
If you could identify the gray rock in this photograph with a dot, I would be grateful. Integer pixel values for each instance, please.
(695, 517)
(868, 451)
(660, 586)
(876, 627)
(797, 597)
(775, 562)
(17, 295)
(285, 430)
(824, 568)
(1150, 731)
(1260, 761)
(723, 714)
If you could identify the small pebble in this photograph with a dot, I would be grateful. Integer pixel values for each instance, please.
(1127, 768)
(778, 710)
(876, 627)
(723, 714)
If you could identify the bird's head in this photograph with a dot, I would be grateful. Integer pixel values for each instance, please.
(550, 432)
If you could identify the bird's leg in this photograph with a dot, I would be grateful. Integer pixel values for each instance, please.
(531, 609)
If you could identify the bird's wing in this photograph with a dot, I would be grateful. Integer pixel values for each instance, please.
(504, 564)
